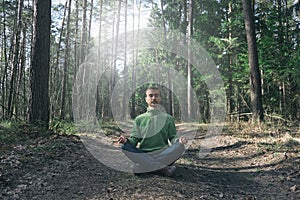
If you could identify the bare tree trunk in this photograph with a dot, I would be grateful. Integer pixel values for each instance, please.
(55, 85)
(115, 48)
(83, 50)
(20, 75)
(4, 75)
(170, 93)
(76, 39)
(90, 19)
(99, 103)
(39, 106)
(230, 87)
(76, 59)
(125, 71)
(255, 77)
(24, 82)
(15, 59)
(133, 86)
(66, 64)
(83, 43)
(189, 76)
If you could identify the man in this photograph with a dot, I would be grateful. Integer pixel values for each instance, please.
(149, 143)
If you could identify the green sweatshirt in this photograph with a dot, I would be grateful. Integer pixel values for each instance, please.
(152, 130)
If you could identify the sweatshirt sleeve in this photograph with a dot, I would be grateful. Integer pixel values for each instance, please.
(172, 130)
(135, 135)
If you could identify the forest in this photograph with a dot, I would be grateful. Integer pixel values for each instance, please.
(102, 34)
(72, 66)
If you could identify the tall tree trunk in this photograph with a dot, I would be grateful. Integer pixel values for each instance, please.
(115, 42)
(90, 19)
(83, 51)
(170, 85)
(21, 73)
(115, 48)
(39, 106)
(4, 75)
(25, 80)
(255, 77)
(55, 85)
(83, 43)
(125, 71)
(76, 61)
(133, 73)
(189, 75)
(135, 56)
(230, 84)
(15, 59)
(99, 103)
(66, 64)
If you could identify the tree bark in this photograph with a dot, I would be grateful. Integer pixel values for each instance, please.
(255, 77)
(39, 105)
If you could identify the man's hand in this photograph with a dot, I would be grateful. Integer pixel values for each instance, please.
(182, 140)
(122, 139)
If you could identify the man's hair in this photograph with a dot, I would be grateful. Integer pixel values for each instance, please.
(153, 88)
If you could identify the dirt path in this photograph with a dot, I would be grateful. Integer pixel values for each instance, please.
(245, 166)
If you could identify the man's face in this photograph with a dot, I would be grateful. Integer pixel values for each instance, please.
(153, 97)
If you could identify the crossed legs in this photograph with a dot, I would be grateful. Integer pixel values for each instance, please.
(152, 161)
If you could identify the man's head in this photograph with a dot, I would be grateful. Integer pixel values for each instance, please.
(153, 97)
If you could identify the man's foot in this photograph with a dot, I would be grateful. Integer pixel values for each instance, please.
(168, 171)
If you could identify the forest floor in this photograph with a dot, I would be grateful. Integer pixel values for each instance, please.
(246, 163)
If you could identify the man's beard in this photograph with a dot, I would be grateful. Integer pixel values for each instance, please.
(154, 103)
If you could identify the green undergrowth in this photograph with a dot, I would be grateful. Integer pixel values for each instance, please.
(16, 133)
(10, 133)
(63, 127)
(13, 133)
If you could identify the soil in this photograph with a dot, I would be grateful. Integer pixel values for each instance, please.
(244, 164)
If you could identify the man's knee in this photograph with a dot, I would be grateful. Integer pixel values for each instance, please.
(127, 147)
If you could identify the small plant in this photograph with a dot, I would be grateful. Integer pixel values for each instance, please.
(63, 127)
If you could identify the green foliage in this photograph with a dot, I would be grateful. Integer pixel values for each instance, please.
(10, 132)
(217, 25)
(63, 127)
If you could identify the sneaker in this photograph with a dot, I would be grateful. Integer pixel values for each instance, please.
(168, 171)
